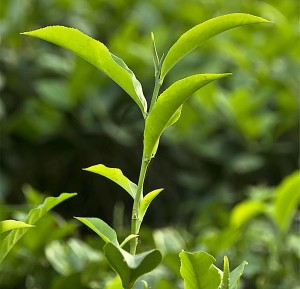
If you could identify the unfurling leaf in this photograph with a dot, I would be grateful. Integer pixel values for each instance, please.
(146, 202)
(226, 274)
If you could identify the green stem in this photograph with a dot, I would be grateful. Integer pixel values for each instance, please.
(155, 91)
(135, 220)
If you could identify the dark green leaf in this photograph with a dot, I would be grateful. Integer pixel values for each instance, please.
(130, 267)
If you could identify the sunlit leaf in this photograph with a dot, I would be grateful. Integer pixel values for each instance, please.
(33, 216)
(8, 225)
(147, 201)
(168, 103)
(107, 233)
(287, 198)
(201, 32)
(97, 54)
(130, 267)
(226, 276)
(116, 176)
(245, 211)
(198, 271)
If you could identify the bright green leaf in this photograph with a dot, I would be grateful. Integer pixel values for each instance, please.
(33, 216)
(235, 275)
(201, 32)
(168, 103)
(226, 276)
(287, 198)
(116, 176)
(245, 211)
(8, 225)
(97, 54)
(198, 271)
(130, 267)
(107, 233)
(146, 202)
(175, 116)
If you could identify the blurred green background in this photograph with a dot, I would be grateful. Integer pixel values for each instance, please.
(237, 139)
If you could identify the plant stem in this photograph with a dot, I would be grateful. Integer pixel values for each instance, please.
(155, 91)
(135, 220)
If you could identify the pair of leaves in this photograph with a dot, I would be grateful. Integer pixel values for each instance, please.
(129, 267)
(167, 108)
(117, 176)
(33, 216)
(198, 272)
(98, 54)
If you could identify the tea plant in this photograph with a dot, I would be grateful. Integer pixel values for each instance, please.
(197, 268)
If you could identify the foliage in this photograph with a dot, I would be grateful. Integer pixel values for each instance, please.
(162, 113)
(248, 132)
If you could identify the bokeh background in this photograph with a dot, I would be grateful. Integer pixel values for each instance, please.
(236, 141)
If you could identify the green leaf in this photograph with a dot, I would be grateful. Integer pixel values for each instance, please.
(107, 233)
(33, 216)
(245, 211)
(204, 31)
(71, 256)
(287, 198)
(226, 276)
(116, 176)
(130, 267)
(136, 84)
(236, 274)
(198, 271)
(8, 225)
(167, 105)
(97, 54)
(146, 202)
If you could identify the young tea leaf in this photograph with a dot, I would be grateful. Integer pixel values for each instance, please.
(198, 271)
(201, 32)
(167, 106)
(226, 274)
(8, 225)
(116, 176)
(146, 202)
(97, 54)
(107, 233)
(33, 216)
